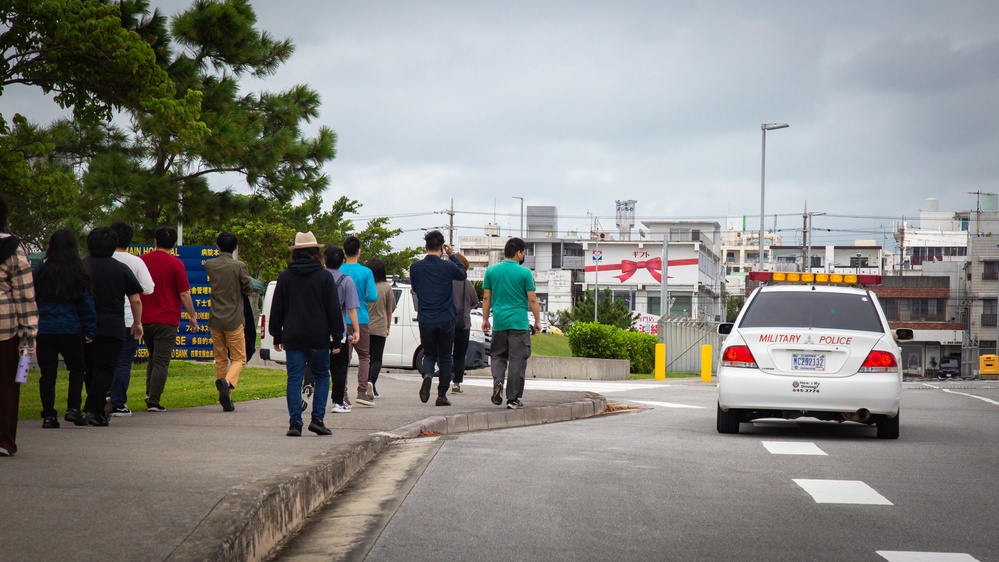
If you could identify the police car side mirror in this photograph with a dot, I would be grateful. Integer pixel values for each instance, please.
(725, 328)
(902, 334)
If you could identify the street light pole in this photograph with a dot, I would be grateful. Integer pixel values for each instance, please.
(521, 215)
(763, 180)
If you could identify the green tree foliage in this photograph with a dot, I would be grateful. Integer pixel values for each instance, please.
(733, 304)
(265, 232)
(84, 54)
(611, 311)
(153, 176)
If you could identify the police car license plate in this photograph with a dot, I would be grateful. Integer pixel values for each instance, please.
(809, 362)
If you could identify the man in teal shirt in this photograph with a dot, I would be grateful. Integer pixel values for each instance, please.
(364, 281)
(508, 290)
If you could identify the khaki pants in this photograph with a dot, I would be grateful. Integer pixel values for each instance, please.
(229, 349)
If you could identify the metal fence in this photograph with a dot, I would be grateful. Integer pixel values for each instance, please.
(683, 338)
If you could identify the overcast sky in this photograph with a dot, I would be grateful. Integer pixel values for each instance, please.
(577, 104)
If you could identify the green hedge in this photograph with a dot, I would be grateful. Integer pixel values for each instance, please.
(601, 341)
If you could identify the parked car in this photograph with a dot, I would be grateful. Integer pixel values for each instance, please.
(402, 347)
(950, 367)
(817, 349)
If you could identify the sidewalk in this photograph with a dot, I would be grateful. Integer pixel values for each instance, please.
(201, 484)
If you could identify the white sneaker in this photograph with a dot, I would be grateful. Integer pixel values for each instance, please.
(339, 408)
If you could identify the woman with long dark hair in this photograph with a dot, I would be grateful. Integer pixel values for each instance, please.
(64, 293)
(379, 319)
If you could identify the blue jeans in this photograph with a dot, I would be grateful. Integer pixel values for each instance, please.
(319, 360)
(123, 370)
(438, 341)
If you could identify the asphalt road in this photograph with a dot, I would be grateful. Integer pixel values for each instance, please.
(662, 484)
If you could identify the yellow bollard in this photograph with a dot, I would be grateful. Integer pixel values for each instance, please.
(660, 362)
(706, 359)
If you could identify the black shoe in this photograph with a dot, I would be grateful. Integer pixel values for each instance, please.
(319, 428)
(294, 430)
(374, 390)
(154, 408)
(443, 401)
(497, 393)
(425, 389)
(50, 422)
(75, 416)
(223, 386)
(97, 419)
(514, 404)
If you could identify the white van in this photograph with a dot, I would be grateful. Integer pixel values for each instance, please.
(402, 348)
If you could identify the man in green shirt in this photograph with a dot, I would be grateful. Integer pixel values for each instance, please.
(229, 280)
(508, 290)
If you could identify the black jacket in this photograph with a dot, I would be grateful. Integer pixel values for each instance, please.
(305, 311)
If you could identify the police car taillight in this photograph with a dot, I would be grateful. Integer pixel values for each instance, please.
(879, 362)
(824, 278)
(738, 356)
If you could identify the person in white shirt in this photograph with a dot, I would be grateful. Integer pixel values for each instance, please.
(123, 371)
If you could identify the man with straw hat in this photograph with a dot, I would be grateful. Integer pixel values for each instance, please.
(305, 318)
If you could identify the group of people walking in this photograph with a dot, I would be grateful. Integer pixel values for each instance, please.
(93, 312)
(327, 304)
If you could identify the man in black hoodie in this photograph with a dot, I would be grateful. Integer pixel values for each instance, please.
(305, 319)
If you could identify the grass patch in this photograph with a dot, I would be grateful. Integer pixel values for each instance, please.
(191, 383)
(550, 345)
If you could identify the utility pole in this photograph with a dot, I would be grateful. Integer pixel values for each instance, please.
(450, 225)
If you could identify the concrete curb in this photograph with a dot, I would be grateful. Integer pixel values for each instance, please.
(253, 518)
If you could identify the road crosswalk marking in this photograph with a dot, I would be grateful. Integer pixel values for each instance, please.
(793, 448)
(903, 556)
(600, 387)
(842, 491)
(665, 404)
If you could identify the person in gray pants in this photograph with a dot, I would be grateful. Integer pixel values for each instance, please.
(508, 291)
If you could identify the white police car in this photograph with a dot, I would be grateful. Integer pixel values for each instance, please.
(811, 345)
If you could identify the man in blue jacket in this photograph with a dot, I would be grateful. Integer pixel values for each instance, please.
(431, 278)
(305, 319)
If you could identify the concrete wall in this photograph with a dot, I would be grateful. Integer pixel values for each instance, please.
(578, 368)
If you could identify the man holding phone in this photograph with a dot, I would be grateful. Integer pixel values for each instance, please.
(508, 290)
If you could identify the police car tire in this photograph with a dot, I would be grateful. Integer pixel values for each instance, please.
(728, 422)
(888, 427)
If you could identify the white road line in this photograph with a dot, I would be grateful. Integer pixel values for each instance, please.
(902, 556)
(600, 387)
(665, 404)
(983, 399)
(793, 448)
(842, 491)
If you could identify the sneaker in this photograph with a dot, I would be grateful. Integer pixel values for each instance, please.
(346, 401)
(318, 428)
(155, 408)
(513, 405)
(497, 397)
(307, 391)
(425, 389)
(364, 401)
(4, 452)
(456, 389)
(223, 387)
(294, 430)
(50, 422)
(443, 401)
(339, 408)
(370, 393)
(97, 419)
(75, 416)
(122, 412)
(374, 390)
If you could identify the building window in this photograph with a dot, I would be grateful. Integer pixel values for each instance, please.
(989, 312)
(991, 270)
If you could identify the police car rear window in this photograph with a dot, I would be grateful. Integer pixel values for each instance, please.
(812, 309)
